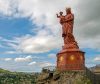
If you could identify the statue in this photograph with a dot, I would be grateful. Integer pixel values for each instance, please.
(70, 57)
(67, 23)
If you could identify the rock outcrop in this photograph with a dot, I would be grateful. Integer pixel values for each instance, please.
(67, 77)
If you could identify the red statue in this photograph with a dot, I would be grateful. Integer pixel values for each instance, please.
(70, 57)
(67, 22)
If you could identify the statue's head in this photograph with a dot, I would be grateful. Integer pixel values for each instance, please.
(68, 10)
(61, 13)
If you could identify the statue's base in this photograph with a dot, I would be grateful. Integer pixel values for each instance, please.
(70, 60)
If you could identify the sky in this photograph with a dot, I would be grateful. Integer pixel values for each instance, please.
(30, 33)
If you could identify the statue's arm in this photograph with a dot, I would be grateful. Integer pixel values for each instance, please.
(57, 16)
(71, 17)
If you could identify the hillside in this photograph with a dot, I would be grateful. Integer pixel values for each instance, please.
(48, 76)
(96, 69)
(7, 77)
(4, 71)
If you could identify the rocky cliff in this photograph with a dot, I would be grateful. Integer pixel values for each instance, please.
(66, 77)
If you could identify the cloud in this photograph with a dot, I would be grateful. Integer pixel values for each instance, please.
(10, 52)
(41, 64)
(47, 36)
(92, 61)
(48, 28)
(45, 64)
(52, 55)
(97, 58)
(23, 59)
(5, 7)
(8, 59)
(8, 8)
(87, 24)
(40, 43)
(32, 63)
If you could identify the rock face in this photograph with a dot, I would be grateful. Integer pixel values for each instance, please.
(67, 77)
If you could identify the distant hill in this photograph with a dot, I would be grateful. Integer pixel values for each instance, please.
(7, 77)
(4, 71)
(96, 69)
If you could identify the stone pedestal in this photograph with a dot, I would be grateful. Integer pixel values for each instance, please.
(70, 60)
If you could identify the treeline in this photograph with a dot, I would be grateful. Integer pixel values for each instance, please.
(7, 77)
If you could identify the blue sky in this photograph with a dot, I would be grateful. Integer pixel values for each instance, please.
(30, 35)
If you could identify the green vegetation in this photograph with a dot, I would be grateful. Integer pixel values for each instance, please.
(65, 77)
(7, 77)
(4, 71)
(45, 77)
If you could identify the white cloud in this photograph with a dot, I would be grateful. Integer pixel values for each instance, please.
(52, 55)
(42, 13)
(41, 64)
(40, 43)
(87, 27)
(10, 52)
(92, 43)
(8, 59)
(6, 7)
(97, 58)
(44, 41)
(37, 57)
(45, 64)
(23, 59)
(32, 63)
